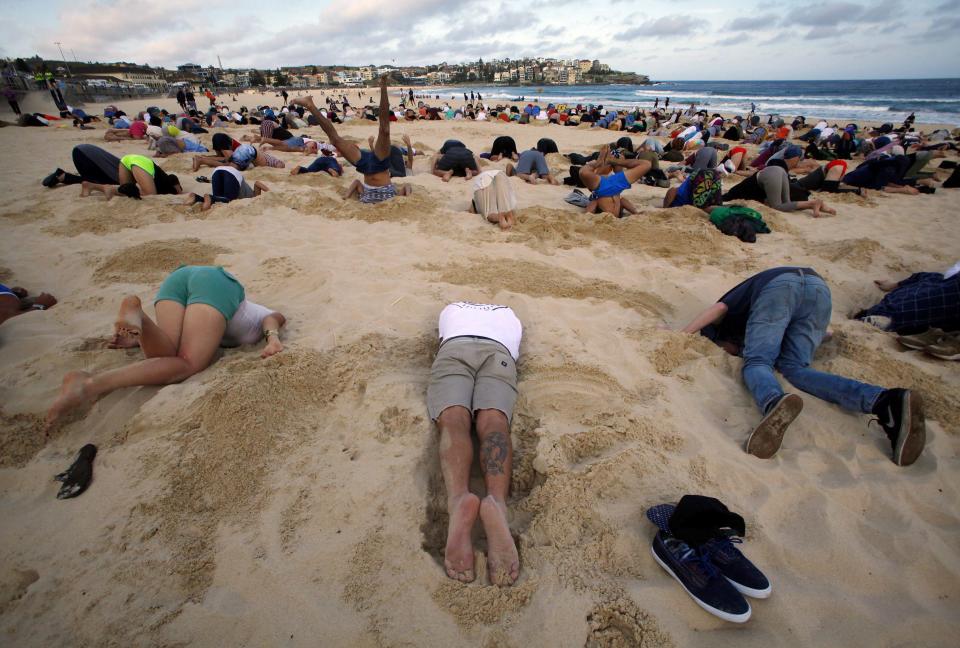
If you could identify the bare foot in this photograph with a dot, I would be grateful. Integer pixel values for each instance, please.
(446, 176)
(129, 321)
(510, 170)
(109, 191)
(73, 393)
(510, 219)
(828, 210)
(191, 198)
(207, 203)
(196, 164)
(295, 170)
(885, 284)
(458, 555)
(84, 189)
(306, 102)
(552, 180)
(122, 342)
(503, 561)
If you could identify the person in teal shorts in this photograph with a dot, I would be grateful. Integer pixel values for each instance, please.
(198, 309)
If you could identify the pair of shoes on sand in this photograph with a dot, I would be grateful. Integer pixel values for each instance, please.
(934, 342)
(716, 574)
(899, 412)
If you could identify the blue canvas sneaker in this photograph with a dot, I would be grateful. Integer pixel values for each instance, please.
(736, 567)
(700, 578)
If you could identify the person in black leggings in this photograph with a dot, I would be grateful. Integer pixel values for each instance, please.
(504, 147)
(93, 164)
(227, 184)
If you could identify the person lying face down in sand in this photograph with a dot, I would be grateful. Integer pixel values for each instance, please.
(241, 157)
(226, 185)
(473, 382)
(198, 309)
(778, 318)
(138, 176)
(532, 166)
(374, 165)
(493, 198)
(17, 301)
(454, 159)
(922, 301)
(606, 189)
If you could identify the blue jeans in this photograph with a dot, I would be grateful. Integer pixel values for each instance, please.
(787, 322)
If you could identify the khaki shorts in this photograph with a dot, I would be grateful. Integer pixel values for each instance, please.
(475, 373)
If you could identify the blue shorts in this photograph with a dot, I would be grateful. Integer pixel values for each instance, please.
(369, 163)
(611, 185)
(6, 291)
(210, 285)
(294, 141)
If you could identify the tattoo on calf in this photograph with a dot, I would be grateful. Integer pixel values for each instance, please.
(493, 453)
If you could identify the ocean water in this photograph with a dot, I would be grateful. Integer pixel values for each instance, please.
(935, 101)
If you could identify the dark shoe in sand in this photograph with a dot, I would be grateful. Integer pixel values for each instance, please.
(900, 414)
(766, 438)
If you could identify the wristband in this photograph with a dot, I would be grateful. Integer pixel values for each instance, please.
(38, 307)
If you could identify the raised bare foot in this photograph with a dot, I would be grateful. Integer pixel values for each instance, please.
(109, 191)
(604, 154)
(129, 322)
(458, 555)
(503, 561)
(207, 203)
(510, 170)
(196, 164)
(306, 102)
(85, 189)
(73, 393)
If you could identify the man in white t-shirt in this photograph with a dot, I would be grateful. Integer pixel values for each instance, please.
(474, 381)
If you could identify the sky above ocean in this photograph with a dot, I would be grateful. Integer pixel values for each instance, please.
(665, 39)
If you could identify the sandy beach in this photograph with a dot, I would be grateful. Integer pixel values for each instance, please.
(297, 501)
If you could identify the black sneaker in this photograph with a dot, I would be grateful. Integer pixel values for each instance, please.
(900, 413)
(736, 567)
(766, 438)
(702, 581)
(52, 179)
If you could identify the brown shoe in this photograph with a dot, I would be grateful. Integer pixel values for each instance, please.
(766, 438)
(947, 348)
(921, 340)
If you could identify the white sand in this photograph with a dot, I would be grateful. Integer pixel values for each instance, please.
(297, 501)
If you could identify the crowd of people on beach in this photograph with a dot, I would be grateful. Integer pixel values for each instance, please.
(775, 320)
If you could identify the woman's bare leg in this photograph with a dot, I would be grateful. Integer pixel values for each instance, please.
(348, 149)
(203, 328)
(148, 187)
(382, 148)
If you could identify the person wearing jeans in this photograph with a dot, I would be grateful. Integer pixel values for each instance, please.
(776, 320)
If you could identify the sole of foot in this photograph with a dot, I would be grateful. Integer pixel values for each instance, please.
(458, 557)
(503, 561)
